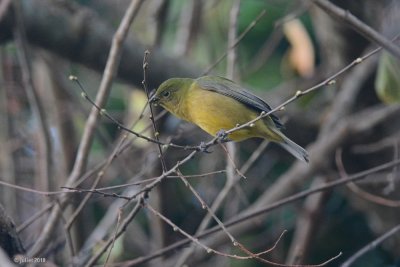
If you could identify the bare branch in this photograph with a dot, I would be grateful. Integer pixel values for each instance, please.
(237, 41)
(9, 240)
(124, 224)
(267, 208)
(359, 191)
(86, 39)
(44, 145)
(358, 25)
(87, 138)
(371, 246)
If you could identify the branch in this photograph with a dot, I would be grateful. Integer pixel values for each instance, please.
(323, 147)
(104, 90)
(358, 25)
(361, 192)
(231, 147)
(9, 240)
(76, 33)
(320, 152)
(371, 246)
(307, 224)
(88, 134)
(43, 135)
(265, 209)
(124, 224)
(236, 42)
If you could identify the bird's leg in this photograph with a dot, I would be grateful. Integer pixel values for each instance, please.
(204, 148)
(222, 136)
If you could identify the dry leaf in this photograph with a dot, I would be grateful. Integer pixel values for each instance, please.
(301, 53)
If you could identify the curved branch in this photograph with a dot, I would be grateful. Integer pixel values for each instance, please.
(76, 33)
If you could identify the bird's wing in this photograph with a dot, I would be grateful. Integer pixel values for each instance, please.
(229, 88)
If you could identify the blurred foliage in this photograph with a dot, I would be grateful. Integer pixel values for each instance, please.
(387, 81)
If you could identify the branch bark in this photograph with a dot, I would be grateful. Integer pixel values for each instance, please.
(9, 240)
(76, 33)
(113, 60)
(359, 26)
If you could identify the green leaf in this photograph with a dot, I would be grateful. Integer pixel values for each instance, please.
(387, 82)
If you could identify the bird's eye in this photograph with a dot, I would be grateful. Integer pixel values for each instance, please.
(166, 93)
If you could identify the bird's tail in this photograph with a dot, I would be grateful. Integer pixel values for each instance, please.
(294, 148)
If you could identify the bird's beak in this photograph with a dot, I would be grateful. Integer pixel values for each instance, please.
(154, 99)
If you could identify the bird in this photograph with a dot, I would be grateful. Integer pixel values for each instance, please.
(217, 104)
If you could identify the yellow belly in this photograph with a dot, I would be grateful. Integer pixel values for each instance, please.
(214, 112)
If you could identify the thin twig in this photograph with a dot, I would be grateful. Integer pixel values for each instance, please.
(160, 178)
(234, 241)
(68, 235)
(34, 217)
(359, 191)
(123, 148)
(156, 133)
(107, 223)
(44, 144)
(100, 175)
(237, 41)
(94, 191)
(122, 229)
(353, 125)
(307, 223)
(371, 246)
(88, 133)
(326, 82)
(104, 112)
(266, 209)
(144, 181)
(27, 189)
(211, 250)
(329, 81)
(104, 89)
(114, 236)
(230, 173)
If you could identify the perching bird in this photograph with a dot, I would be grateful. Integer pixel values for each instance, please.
(216, 104)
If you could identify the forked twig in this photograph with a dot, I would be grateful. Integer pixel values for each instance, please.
(266, 209)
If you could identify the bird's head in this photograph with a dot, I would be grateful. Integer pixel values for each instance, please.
(170, 93)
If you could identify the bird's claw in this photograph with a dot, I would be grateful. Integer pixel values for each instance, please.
(222, 136)
(204, 148)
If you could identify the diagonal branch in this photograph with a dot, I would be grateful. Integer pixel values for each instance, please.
(359, 26)
(371, 246)
(88, 134)
(76, 33)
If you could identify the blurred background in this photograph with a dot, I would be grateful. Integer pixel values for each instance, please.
(349, 125)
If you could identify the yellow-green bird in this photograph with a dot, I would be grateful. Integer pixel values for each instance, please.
(216, 104)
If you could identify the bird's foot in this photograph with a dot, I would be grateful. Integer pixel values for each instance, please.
(204, 148)
(222, 136)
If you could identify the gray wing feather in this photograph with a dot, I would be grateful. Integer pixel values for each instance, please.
(229, 88)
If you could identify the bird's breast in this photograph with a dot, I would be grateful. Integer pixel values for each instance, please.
(213, 112)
